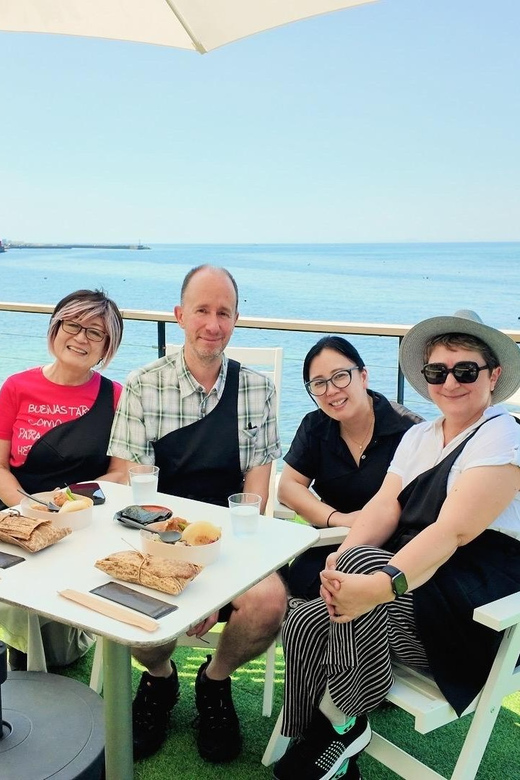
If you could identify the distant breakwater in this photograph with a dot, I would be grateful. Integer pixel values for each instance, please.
(22, 245)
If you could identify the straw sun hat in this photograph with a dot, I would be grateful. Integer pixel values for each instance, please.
(469, 323)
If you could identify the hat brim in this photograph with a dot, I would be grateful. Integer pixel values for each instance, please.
(508, 354)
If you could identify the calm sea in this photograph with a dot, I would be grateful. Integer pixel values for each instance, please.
(380, 283)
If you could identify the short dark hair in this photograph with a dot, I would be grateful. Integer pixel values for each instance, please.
(461, 341)
(189, 276)
(338, 344)
(89, 303)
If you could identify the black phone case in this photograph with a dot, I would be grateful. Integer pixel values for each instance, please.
(7, 560)
(90, 490)
(147, 605)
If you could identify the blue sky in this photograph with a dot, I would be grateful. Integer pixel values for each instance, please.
(394, 121)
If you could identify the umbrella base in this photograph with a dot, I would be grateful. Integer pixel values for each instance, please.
(52, 728)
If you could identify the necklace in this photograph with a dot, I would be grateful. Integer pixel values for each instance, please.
(362, 443)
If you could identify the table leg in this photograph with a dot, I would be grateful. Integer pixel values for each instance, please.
(117, 687)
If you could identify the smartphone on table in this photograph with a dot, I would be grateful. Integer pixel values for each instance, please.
(90, 490)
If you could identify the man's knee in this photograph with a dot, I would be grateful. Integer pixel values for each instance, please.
(264, 605)
(151, 657)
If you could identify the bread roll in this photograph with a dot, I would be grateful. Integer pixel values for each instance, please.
(201, 532)
(76, 505)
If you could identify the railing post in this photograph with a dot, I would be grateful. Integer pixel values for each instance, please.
(400, 378)
(161, 339)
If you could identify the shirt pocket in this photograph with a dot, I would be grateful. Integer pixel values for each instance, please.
(250, 434)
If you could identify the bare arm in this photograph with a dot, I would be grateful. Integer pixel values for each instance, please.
(257, 481)
(293, 491)
(477, 498)
(117, 471)
(8, 482)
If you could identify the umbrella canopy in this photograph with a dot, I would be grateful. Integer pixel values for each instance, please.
(201, 25)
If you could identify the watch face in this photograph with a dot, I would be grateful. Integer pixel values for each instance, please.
(398, 579)
(399, 584)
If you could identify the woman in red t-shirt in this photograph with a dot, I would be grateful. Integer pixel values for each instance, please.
(55, 420)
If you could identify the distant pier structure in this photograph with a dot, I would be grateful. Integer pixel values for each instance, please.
(25, 245)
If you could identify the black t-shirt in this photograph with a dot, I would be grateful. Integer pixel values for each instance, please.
(320, 454)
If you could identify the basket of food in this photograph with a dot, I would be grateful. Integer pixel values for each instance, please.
(199, 541)
(74, 511)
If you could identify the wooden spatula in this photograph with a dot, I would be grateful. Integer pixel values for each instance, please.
(115, 611)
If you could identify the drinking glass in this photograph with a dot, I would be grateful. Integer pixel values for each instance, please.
(244, 509)
(143, 480)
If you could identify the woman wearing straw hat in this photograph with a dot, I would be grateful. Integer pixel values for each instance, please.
(441, 537)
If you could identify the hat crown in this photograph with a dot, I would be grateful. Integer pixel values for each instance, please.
(468, 314)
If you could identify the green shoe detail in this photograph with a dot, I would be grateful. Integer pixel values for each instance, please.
(342, 771)
(346, 726)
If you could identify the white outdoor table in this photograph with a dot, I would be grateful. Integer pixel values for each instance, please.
(34, 585)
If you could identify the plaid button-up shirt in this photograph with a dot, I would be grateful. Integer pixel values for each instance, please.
(163, 397)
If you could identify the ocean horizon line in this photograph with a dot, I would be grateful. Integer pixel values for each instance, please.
(9, 241)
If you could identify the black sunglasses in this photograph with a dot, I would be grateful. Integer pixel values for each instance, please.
(466, 372)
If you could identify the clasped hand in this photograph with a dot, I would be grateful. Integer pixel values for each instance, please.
(347, 596)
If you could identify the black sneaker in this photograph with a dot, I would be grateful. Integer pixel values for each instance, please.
(219, 738)
(349, 770)
(151, 709)
(322, 753)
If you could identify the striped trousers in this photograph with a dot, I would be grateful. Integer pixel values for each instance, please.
(354, 658)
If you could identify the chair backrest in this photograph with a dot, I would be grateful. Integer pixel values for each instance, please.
(269, 361)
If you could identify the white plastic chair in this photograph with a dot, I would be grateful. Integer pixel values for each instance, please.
(417, 694)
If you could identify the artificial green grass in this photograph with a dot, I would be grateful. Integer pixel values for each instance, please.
(179, 758)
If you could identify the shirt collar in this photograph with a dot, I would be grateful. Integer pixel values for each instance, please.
(487, 414)
(189, 385)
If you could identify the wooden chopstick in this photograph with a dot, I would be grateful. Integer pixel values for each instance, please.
(115, 611)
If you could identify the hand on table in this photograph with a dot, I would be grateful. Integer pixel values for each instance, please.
(204, 626)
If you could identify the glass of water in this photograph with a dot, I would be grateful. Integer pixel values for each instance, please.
(244, 509)
(143, 480)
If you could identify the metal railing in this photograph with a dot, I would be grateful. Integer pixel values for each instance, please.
(161, 319)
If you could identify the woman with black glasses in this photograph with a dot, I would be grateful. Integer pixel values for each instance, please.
(341, 450)
(55, 420)
(440, 538)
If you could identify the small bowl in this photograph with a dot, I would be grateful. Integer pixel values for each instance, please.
(202, 554)
(75, 520)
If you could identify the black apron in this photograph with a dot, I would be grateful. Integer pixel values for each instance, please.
(74, 451)
(460, 651)
(202, 460)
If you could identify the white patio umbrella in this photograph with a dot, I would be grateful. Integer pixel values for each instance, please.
(201, 25)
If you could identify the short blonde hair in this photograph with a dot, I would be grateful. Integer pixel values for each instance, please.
(83, 304)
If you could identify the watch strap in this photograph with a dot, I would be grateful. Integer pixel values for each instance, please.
(397, 579)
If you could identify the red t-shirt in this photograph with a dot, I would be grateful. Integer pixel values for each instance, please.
(31, 405)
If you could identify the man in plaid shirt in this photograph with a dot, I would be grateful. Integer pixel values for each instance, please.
(210, 425)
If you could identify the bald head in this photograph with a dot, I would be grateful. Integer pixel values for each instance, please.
(212, 269)
(207, 314)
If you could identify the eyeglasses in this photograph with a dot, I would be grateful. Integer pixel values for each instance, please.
(466, 372)
(339, 379)
(74, 328)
